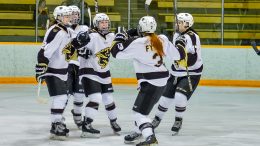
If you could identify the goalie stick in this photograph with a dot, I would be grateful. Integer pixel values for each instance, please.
(176, 21)
(253, 44)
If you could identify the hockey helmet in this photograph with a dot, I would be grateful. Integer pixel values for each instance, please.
(75, 11)
(186, 18)
(147, 24)
(61, 11)
(101, 17)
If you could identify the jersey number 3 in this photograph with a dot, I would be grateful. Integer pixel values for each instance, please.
(155, 55)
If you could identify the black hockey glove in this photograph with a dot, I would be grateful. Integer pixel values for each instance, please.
(81, 40)
(121, 35)
(180, 44)
(84, 52)
(40, 70)
(132, 32)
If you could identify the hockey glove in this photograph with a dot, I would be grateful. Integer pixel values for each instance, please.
(81, 40)
(40, 70)
(132, 32)
(121, 35)
(180, 44)
(84, 52)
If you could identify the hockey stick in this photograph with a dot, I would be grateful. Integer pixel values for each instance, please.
(89, 15)
(96, 6)
(176, 21)
(40, 99)
(147, 4)
(253, 44)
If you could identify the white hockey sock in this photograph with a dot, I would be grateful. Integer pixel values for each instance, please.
(110, 107)
(144, 123)
(57, 107)
(92, 106)
(180, 104)
(164, 104)
(78, 102)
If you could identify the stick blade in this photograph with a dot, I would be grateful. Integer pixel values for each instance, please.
(42, 100)
(253, 44)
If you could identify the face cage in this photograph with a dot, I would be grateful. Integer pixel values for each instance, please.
(60, 19)
(76, 21)
(104, 31)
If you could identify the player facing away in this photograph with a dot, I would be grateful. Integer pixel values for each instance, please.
(75, 88)
(147, 53)
(178, 86)
(95, 75)
(52, 67)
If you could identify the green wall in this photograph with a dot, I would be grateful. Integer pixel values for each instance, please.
(18, 60)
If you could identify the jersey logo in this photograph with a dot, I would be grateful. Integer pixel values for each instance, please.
(155, 55)
(103, 57)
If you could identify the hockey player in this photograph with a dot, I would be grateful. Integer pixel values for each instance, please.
(147, 53)
(95, 75)
(75, 88)
(53, 68)
(178, 86)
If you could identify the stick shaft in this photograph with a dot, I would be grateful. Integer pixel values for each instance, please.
(96, 6)
(39, 88)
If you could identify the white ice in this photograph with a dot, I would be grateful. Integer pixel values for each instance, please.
(216, 116)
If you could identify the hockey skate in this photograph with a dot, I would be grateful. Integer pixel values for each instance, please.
(132, 138)
(77, 119)
(116, 128)
(59, 131)
(150, 141)
(88, 130)
(177, 125)
(156, 121)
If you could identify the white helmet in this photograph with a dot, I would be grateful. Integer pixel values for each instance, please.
(101, 17)
(186, 18)
(147, 24)
(61, 11)
(75, 9)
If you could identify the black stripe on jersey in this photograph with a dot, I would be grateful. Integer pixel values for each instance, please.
(91, 71)
(63, 27)
(199, 70)
(41, 58)
(62, 71)
(116, 48)
(152, 75)
(52, 34)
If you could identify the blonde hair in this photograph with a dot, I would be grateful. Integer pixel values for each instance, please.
(156, 44)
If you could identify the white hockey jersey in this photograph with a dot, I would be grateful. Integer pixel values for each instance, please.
(148, 65)
(55, 39)
(96, 67)
(193, 48)
(79, 28)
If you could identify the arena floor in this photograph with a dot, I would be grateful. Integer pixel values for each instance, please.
(216, 116)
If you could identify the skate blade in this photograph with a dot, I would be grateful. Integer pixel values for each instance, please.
(89, 135)
(118, 133)
(60, 138)
(133, 142)
(175, 133)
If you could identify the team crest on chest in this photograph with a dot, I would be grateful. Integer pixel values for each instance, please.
(103, 57)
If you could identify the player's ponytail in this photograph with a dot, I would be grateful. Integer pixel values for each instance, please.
(157, 44)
